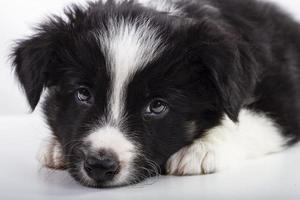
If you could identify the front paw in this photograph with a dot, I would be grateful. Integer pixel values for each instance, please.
(51, 156)
(195, 159)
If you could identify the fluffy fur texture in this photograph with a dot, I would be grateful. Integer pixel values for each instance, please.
(181, 87)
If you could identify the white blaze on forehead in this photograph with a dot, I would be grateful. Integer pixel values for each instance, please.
(128, 47)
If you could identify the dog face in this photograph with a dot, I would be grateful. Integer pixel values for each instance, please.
(127, 86)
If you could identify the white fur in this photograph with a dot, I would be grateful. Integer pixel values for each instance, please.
(168, 6)
(50, 154)
(128, 48)
(228, 144)
(113, 139)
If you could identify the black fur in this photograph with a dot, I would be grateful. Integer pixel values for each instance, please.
(234, 54)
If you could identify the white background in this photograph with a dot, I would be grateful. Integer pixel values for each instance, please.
(17, 17)
(272, 177)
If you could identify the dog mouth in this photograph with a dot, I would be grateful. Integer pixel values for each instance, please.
(106, 176)
(95, 171)
(104, 170)
(83, 176)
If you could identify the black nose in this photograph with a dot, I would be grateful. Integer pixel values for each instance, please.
(102, 167)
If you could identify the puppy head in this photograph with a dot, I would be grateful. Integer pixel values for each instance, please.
(128, 87)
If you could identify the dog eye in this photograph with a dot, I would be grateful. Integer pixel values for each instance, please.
(156, 107)
(83, 95)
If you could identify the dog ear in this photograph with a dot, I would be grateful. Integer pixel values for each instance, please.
(32, 58)
(229, 62)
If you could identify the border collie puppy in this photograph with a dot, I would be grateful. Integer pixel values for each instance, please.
(188, 86)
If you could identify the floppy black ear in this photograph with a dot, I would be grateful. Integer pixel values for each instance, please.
(229, 62)
(31, 59)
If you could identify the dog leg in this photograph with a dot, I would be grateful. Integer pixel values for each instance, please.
(227, 145)
(50, 155)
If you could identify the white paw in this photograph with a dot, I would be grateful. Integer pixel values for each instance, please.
(195, 159)
(228, 145)
(50, 155)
